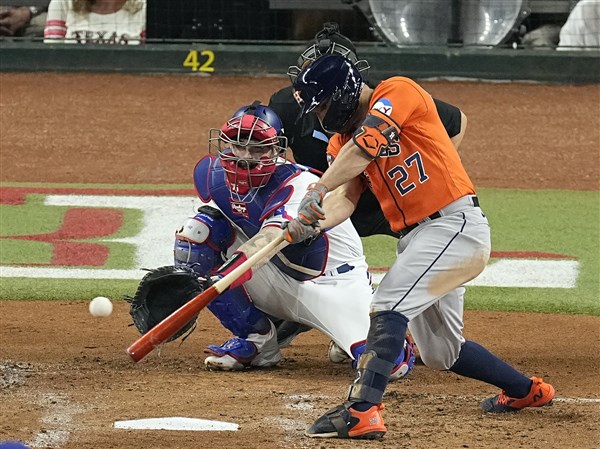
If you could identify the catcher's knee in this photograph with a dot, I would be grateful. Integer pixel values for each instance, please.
(237, 312)
(202, 241)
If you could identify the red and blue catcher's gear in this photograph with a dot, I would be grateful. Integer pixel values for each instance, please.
(201, 244)
(259, 130)
(404, 362)
(303, 261)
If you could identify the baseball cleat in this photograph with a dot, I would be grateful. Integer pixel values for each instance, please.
(345, 422)
(540, 394)
(238, 354)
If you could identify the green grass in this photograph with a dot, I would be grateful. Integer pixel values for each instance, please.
(34, 217)
(65, 289)
(189, 186)
(553, 221)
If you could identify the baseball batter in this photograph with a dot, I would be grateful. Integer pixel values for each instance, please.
(391, 140)
(251, 193)
(308, 140)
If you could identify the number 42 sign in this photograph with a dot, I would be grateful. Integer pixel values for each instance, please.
(202, 63)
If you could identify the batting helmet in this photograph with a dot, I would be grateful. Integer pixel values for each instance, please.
(257, 132)
(328, 41)
(333, 79)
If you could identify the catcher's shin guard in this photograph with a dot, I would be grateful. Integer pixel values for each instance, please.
(236, 312)
(202, 241)
(404, 363)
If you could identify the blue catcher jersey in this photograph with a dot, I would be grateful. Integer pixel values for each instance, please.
(272, 205)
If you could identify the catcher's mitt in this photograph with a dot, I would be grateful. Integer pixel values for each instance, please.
(162, 291)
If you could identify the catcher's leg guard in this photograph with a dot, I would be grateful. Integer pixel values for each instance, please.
(202, 241)
(199, 244)
(404, 362)
(255, 343)
(238, 313)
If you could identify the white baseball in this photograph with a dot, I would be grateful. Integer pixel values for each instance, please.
(101, 306)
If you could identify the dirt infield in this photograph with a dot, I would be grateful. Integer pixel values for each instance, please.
(65, 377)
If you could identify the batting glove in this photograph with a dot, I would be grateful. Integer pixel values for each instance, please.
(310, 210)
(296, 231)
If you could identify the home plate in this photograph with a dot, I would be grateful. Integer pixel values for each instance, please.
(176, 423)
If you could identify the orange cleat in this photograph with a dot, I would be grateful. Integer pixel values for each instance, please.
(345, 422)
(540, 394)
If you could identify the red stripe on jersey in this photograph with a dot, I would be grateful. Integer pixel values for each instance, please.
(55, 33)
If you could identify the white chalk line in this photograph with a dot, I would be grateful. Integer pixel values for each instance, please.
(58, 422)
(304, 402)
(578, 400)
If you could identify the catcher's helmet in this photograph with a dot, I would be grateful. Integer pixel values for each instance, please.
(326, 42)
(333, 79)
(250, 146)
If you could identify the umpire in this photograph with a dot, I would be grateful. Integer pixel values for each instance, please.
(308, 140)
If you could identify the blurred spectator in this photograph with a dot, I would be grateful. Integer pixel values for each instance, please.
(218, 20)
(546, 36)
(582, 28)
(119, 22)
(21, 19)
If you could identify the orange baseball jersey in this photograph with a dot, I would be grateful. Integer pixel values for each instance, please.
(416, 170)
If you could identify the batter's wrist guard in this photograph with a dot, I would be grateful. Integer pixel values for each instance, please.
(235, 261)
(367, 387)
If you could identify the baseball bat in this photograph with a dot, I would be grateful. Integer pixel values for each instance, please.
(171, 324)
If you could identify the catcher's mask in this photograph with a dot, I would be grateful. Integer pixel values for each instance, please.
(333, 85)
(250, 146)
(328, 41)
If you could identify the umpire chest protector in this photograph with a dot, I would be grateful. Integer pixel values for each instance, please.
(303, 261)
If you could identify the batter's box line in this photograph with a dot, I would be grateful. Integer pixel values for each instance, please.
(408, 396)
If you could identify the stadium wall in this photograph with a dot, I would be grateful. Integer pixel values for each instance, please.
(573, 67)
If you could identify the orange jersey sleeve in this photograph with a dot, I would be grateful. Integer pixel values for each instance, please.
(416, 170)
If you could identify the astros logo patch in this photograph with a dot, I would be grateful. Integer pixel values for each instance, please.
(384, 106)
(297, 97)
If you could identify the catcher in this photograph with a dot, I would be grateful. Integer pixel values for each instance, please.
(251, 193)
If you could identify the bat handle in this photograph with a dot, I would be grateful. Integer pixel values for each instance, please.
(273, 246)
